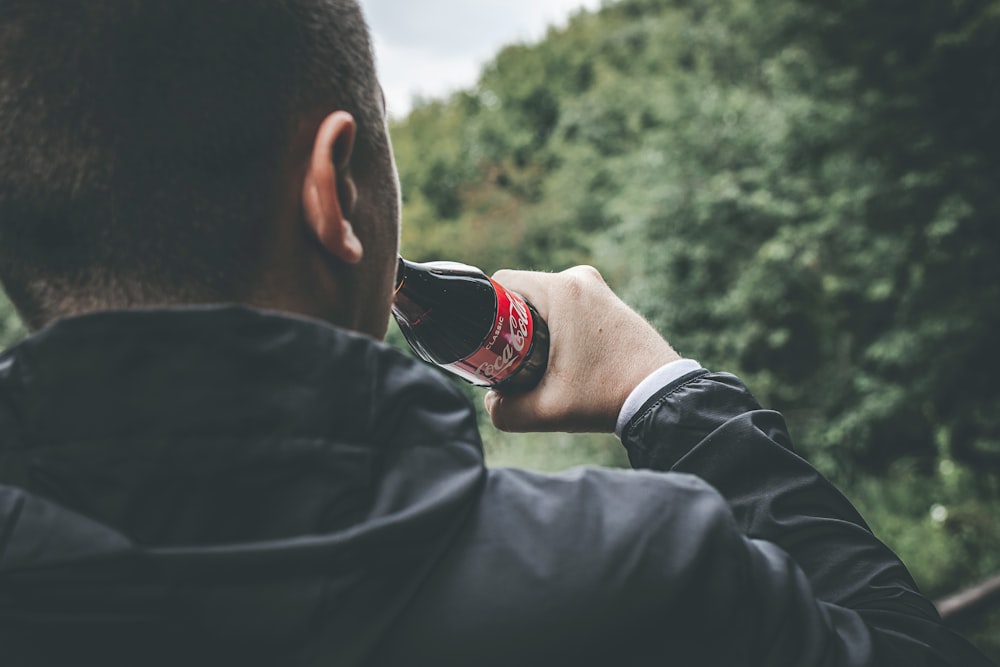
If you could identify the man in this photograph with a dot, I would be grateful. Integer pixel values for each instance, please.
(207, 459)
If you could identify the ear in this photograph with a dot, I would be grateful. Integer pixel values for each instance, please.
(329, 193)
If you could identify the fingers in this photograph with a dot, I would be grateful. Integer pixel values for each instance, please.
(515, 412)
(600, 350)
(538, 288)
(530, 285)
(529, 278)
(494, 408)
(537, 412)
(584, 272)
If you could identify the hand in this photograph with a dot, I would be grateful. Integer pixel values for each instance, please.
(600, 350)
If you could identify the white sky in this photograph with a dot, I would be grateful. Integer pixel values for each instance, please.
(429, 48)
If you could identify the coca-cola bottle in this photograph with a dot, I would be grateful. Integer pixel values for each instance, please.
(454, 316)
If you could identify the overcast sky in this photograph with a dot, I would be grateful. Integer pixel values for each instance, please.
(429, 48)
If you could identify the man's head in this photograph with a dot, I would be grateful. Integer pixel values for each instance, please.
(194, 151)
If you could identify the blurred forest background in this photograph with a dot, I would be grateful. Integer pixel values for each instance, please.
(801, 192)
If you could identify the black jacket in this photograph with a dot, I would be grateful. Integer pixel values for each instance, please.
(224, 487)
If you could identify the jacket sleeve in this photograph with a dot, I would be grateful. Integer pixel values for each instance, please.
(818, 568)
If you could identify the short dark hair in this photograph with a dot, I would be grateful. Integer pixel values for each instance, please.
(141, 139)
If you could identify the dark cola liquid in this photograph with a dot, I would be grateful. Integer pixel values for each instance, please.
(445, 312)
(454, 316)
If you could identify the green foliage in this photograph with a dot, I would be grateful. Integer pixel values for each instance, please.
(942, 523)
(11, 328)
(936, 519)
(800, 192)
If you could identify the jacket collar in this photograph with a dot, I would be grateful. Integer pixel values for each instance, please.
(204, 371)
(95, 409)
(220, 468)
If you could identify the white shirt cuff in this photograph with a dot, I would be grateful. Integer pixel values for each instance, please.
(653, 383)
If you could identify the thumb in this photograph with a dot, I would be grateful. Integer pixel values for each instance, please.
(511, 412)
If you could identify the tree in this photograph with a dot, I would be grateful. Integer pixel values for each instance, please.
(799, 192)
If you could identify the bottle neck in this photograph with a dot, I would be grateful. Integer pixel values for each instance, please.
(403, 304)
(422, 286)
(401, 268)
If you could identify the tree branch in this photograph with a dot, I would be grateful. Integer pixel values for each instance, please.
(969, 599)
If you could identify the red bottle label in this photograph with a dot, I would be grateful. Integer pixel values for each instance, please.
(506, 346)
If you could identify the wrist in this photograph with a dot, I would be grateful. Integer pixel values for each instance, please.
(653, 382)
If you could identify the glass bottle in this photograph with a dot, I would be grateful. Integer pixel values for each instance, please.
(454, 316)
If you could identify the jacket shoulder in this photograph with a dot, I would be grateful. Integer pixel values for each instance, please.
(584, 559)
(603, 517)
